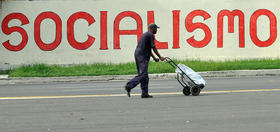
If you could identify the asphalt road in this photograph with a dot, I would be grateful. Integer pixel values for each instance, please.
(225, 105)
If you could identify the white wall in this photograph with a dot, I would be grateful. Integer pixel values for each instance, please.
(66, 54)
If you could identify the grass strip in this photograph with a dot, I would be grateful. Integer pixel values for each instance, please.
(43, 70)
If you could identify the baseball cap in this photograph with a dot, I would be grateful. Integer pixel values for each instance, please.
(153, 26)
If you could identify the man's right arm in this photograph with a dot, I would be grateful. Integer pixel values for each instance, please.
(154, 48)
(157, 53)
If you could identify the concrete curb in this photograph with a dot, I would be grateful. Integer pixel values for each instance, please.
(4, 79)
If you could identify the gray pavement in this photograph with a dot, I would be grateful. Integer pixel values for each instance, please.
(4, 79)
(235, 104)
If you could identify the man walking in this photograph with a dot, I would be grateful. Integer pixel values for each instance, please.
(142, 56)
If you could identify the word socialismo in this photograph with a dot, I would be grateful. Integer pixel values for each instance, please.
(117, 32)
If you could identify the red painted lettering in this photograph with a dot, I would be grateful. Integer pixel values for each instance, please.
(8, 30)
(253, 28)
(176, 28)
(190, 26)
(231, 16)
(159, 45)
(37, 32)
(118, 32)
(70, 30)
(103, 30)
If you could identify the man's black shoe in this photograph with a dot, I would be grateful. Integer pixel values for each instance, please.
(128, 89)
(146, 96)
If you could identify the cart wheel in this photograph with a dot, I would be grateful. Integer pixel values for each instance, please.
(201, 86)
(195, 91)
(186, 91)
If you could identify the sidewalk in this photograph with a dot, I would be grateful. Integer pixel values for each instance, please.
(5, 80)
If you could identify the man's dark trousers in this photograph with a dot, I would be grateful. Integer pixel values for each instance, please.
(142, 77)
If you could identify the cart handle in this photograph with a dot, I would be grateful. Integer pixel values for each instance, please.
(174, 65)
(171, 62)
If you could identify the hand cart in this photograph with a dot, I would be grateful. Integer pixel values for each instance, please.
(190, 86)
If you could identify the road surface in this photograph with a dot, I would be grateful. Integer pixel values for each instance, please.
(225, 105)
